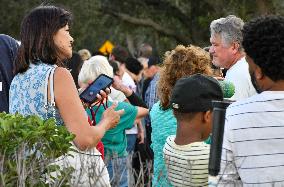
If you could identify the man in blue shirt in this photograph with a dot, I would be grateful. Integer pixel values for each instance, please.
(8, 50)
(150, 96)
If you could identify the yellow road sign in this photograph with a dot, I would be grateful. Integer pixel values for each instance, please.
(106, 48)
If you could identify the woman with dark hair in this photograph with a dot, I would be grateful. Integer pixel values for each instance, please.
(43, 88)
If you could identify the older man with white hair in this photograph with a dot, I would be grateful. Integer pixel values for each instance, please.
(227, 51)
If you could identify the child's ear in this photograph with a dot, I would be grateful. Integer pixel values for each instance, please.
(207, 124)
(207, 116)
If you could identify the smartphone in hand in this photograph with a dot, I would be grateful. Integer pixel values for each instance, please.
(89, 95)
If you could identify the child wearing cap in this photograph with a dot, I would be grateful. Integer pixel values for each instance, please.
(186, 155)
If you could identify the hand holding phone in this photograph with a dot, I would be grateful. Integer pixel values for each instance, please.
(89, 95)
(103, 94)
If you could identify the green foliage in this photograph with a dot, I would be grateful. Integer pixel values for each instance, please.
(98, 20)
(29, 146)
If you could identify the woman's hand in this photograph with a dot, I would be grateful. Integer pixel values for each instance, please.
(111, 116)
(103, 94)
(100, 97)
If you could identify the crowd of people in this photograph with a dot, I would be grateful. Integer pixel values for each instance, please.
(156, 117)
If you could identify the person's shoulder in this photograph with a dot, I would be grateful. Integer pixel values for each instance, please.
(156, 105)
(170, 139)
(63, 77)
(170, 142)
(11, 43)
(155, 78)
(62, 72)
(200, 145)
(6, 38)
(126, 78)
(9, 47)
(128, 81)
(242, 105)
(242, 64)
(236, 105)
(156, 109)
(160, 116)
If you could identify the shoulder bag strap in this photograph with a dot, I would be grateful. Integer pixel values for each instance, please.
(51, 87)
(51, 106)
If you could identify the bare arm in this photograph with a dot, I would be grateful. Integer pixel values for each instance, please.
(141, 113)
(130, 95)
(74, 115)
(140, 133)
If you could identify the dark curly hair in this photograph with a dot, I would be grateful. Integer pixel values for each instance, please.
(263, 41)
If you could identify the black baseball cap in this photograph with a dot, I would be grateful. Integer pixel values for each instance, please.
(195, 93)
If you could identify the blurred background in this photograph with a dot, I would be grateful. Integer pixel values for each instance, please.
(161, 23)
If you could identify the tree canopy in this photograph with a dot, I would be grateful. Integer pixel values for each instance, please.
(161, 23)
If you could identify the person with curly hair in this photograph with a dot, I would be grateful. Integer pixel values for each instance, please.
(180, 62)
(227, 52)
(253, 141)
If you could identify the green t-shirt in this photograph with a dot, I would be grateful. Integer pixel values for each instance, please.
(114, 140)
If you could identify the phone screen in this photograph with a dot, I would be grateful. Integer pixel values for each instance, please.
(101, 83)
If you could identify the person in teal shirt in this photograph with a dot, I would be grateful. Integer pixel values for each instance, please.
(180, 62)
(163, 124)
(114, 140)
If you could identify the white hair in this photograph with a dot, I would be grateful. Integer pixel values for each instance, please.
(229, 29)
(94, 67)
